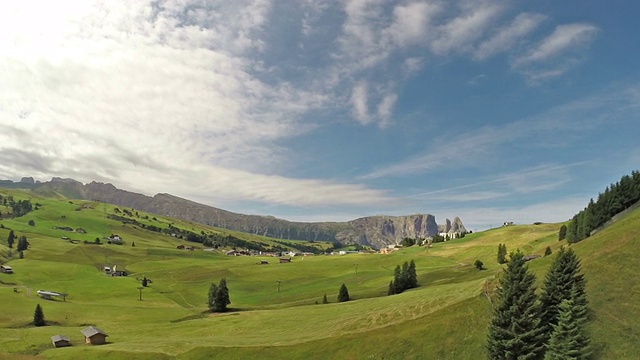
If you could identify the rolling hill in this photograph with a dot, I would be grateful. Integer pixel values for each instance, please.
(276, 310)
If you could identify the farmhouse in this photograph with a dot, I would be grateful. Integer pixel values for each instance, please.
(285, 260)
(94, 336)
(6, 269)
(60, 341)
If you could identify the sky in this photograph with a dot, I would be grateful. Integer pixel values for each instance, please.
(314, 110)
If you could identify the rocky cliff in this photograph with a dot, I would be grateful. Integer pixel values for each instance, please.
(376, 231)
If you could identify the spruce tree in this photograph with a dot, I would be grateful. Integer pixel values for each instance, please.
(38, 317)
(222, 297)
(343, 295)
(502, 253)
(213, 290)
(392, 288)
(11, 238)
(514, 332)
(568, 338)
(324, 299)
(562, 233)
(563, 282)
(398, 280)
(412, 276)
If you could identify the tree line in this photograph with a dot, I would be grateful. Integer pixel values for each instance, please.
(615, 199)
(550, 326)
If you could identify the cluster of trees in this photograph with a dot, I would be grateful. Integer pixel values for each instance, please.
(616, 198)
(551, 326)
(23, 243)
(219, 296)
(18, 208)
(404, 278)
(502, 254)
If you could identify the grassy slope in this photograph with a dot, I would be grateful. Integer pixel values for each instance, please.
(445, 318)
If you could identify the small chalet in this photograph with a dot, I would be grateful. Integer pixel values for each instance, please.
(60, 341)
(285, 260)
(94, 336)
(530, 257)
(6, 269)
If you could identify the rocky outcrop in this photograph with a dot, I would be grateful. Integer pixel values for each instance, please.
(375, 231)
(455, 227)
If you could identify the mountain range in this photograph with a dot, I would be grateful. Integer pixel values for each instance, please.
(375, 231)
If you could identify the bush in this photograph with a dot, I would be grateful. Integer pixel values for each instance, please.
(479, 265)
(32, 223)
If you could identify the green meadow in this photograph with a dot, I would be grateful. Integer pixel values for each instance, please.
(276, 309)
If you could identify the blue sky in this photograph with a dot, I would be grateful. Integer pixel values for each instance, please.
(328, 110)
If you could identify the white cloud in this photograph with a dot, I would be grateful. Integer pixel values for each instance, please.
(563, 38)
(505, 38)
(459, 33)
(359, 98)
(158, 97)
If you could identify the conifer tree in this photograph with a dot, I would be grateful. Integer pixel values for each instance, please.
(11, 238)
(392, 288)
(563, 282)
(514, 332)
(398, 280)
(222, 297)
(324, 299)
(23, 244)
(562, 234)
(38, 317)
(213, 290)
(343, 295)
(502, 254)
(412, 276)
(568, 338)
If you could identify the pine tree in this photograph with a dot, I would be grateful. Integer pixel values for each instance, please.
(548, 251)
(502, 254)
(23, 244)
(412, 276)
(392, 288)
(562, 234)
(222, 297)
(398, 280)
(11, 238)
(568, 338)
(514, 332)
(213, 290)
(562, 282)
(324, 299)
(343, 295)
(38, 317)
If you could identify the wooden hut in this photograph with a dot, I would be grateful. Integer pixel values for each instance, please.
(60, 341)
(94, 336)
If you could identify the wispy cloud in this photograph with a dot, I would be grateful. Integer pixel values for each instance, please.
(506, 37)
(475, 147)
(544, 60)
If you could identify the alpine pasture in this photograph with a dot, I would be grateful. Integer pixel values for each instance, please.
(276, 310)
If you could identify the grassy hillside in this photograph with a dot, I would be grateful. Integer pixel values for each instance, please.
(275, 311)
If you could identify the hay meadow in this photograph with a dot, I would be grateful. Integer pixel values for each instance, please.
(276, 309)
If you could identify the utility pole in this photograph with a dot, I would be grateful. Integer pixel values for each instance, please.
(356, 268)
(140, 288)
(278, 285)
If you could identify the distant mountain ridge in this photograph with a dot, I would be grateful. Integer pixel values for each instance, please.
(376, 231)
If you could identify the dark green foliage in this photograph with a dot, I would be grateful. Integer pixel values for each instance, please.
(343, 295)
(392, 288)
(412, 276)
(479, 265)
(615, 199)
(21, 207)
(21, 254)
(562, 234)
(213, 290)
(404, 278)
(38, 317)
(145, 281)
(406, 242)
(563, 282)
(547, 251)
(11, 239)
(324, 299)
(568, 340)
(219, 296)
(514, 332)
(32, 223)
(502, 254)
(23, 244)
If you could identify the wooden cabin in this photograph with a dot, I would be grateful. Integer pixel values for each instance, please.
(60, 341)
(94, 336)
